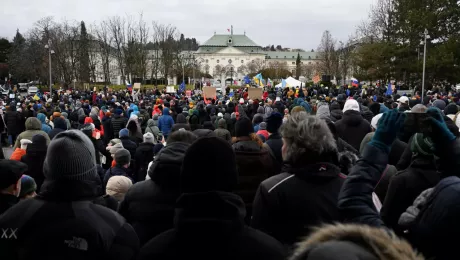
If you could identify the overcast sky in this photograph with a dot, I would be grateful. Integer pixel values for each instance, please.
(291, 23)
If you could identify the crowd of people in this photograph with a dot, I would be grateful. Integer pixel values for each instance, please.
(311, 173)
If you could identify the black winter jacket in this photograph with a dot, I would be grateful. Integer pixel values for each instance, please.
(117, 123)
(129, 145)
(7, 201)
(142, 158)
(288, 205)
(62, 222)
(210, 226)
(149, 205)
(254, 165)
(405, 187)
(352, 128)
(13, 122)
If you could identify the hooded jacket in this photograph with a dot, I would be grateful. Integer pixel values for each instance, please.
(181, 122)
(33, 127)
(34, 158)
(13, 122)
(287, 206)
(118, 123)
(59, 126)
(68, 225)
(166, 122)
(211, 226)
(222, 131)
(336, 112)
(142, 158)
(352, 128)
(152, 127)
(46, 128)
(149, 205)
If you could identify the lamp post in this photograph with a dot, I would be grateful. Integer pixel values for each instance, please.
(426, 36)
(48, 46)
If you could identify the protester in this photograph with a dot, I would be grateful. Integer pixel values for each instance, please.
(143, 156)
(352, 127)
(28, 188)
(33, 127)
(70, 181)
(122, 161)
(311, 152)
(149, 204)
(12, 120)
(222, 131)
(209, 217)
(127, 143)
(59, 126)
(34, 158)
(10, 184)
(165, 123)
(45, 127)
(118, 122)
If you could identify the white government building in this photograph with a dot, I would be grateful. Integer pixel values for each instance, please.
(230, 57)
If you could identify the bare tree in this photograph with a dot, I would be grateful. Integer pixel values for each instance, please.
(380, 25)
(328, 63)
(256, 65)
(307, 70)
(105, 41)
(117, 29)
(168, 47)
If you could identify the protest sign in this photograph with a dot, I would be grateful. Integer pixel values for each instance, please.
(255, 93)
(209, 92)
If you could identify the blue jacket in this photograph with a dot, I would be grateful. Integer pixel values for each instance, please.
(166, 122)
(46, 128)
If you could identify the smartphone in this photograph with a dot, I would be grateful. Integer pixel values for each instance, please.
(417, 122)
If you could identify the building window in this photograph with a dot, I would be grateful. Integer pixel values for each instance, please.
(253, 61)
(316, 56)
(217, 61)
(317, 63)
(293, 63)
(207, 50)
(242, 61)
(309, 57)
(207, 61)
(309, 62)
(252, 50)
(230, 61)
(285, 57)
(293, 57)
(277, 57)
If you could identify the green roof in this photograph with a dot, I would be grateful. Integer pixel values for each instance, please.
(238, 41)
(305, 55)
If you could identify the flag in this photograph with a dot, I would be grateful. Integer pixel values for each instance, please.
(389, 90)
(258, 79)
(182, 87)
(228, 30)
(128, 85)
(316, 79)
(247, 80)
(354, 82)
(283, 83)
(269, 82)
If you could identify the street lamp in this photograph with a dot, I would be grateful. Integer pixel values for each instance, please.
(50, 51)
(426, 36)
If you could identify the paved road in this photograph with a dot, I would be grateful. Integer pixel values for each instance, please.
(7, 152)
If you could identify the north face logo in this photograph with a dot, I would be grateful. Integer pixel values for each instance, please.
(77, 243)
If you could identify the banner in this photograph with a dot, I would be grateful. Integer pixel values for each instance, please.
(255, 93)
(170, 89)
(209, 92)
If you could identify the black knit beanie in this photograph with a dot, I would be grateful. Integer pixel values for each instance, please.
(220, 173)
(70, 156)
(274, 122)
(243, 127)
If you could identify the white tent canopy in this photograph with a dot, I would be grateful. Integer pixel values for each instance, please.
(291, 82)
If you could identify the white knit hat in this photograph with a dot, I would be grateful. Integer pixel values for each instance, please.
(351, 104)
(118, 186)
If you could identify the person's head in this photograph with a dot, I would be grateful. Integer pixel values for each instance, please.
(62, 164)
(243, 127)
(422, 146)
(148, 138)
(451, 109)
(122, 158)
(88, 130)
(123, 133)
(118, 186)
(353, 242)
(274, 122)
(419, 109)
(114, 148)
(351, 105)
(196, 179)
(28, 187)
(375, 121)
(60, 123)
(307, 139)
(10, 176)
(181, 136)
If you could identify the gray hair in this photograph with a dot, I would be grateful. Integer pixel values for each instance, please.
(308, 139)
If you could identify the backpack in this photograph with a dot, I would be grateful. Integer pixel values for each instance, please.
(73, 117)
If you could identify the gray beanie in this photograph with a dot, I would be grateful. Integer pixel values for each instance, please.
(70, 156)
(148, 138)
(122, 157)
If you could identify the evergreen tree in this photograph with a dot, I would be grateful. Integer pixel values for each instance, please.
(84, 54)
(297, 66)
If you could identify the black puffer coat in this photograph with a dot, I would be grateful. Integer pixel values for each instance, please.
(352, 128)
(149, 204)
(142, 158)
